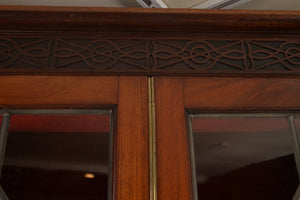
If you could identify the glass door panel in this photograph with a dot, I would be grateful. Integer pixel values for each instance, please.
(242, 158)
(58, 156)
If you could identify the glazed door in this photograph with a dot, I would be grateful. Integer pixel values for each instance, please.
(74, 137)
(227, 137)
(188, 111)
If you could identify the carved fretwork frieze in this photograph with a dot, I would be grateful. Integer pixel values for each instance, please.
(128, 56)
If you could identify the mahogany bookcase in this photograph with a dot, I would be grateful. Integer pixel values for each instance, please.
(200, 61)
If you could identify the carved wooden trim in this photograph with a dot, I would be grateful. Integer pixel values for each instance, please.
(112, 41)
(140, 56)
(70, 19)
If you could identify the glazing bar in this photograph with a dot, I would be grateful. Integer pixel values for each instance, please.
(110, 156)
(296, 141)
(3, 138)
(296, 149)
(243, 115)
(192, 157)
(55, 112)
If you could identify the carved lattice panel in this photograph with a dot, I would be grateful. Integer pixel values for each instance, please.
(124, 56)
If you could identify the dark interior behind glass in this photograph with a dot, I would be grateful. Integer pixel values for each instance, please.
(249, 159)
(57, 157)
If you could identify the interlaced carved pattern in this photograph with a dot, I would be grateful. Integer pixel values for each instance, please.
(67, 54)
(198, 55)
(34, 53)
(246, 56)
(98, 53)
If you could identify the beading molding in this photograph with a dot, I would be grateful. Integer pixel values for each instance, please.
(147, 57)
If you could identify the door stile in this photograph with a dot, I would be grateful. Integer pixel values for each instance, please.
(173, 160)
(131, 177)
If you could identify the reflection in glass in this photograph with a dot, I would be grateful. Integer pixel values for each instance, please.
(249, 159)
(57, 157)
(297, 123)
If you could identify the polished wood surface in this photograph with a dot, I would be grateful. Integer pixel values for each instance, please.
(236, 93)
(58, 90)
(112, 41)
(174, 95)
(173, 165)
(131, 175)
(37, 40)
(129, 94)
(141, 19)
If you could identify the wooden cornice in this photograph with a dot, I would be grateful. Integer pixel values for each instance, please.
(140, 19)
(76, 40)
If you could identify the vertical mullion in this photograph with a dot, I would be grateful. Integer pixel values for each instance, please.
(110, 156)
(296, 149)
(192, 157)
(296, 142)
(131, 163)
(173, 155)
(3, 139)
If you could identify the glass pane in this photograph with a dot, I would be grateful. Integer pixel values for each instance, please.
(57, 157)
(249, 159)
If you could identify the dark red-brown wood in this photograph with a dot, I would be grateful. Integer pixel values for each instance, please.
(57, 90)
(137, 41)
(139, 19)
(132, 144)
(145, 42)
(174, 95)
(234, 93)
(129, 94)
(173, 164)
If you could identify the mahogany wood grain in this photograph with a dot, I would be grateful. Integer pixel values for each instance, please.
(138, 41)
(233, 93)
(59, 90)
(173, 164)
(41, 18)
(132, 145)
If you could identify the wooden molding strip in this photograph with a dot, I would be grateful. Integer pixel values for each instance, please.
(142, 19)
(131, 41)
(97, 55)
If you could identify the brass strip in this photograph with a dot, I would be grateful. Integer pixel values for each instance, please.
(152, 140)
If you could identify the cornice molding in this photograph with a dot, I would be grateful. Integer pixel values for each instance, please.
(70, 19)
(60, 40)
